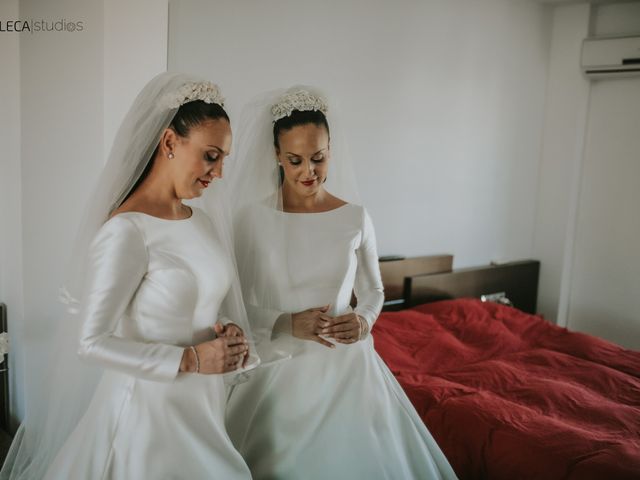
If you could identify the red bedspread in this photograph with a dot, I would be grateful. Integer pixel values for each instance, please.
(507, 395)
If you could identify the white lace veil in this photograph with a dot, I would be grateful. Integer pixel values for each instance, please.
(59, 392)
(261, 227)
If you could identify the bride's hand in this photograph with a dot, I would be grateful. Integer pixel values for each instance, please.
(231, 330)
(348, 328)
(306, 325)
(228, 330)
(224, 354)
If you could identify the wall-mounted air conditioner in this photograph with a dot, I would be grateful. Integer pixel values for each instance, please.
(611, 57)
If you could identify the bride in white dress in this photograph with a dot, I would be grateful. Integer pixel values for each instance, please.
(333, 410)
(159, 289)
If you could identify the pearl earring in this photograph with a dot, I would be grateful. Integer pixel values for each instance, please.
(170, 155)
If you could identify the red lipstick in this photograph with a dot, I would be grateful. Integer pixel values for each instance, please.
(308, 183)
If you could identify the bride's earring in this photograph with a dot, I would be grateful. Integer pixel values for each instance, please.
(171, 155)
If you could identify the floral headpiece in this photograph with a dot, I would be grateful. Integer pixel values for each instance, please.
(206, 91)
(301, 100)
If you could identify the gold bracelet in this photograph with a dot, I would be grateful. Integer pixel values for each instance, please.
(195, 353)
(364, 327)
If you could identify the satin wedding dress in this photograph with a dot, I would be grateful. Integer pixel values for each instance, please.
(154, 287)
(326, 413)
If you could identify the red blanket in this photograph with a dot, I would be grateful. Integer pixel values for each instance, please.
(508, 395)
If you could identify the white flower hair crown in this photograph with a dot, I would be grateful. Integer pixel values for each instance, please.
(208, 92)
(301, 100)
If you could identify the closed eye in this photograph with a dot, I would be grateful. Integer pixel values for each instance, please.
(211, 158)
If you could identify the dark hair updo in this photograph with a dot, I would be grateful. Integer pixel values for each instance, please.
(188, 116)
(297, 118)
(192, 114)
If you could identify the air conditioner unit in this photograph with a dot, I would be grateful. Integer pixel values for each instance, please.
(611, 57)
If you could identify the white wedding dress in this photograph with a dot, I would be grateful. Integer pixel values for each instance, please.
(154, 287)
(326, 413)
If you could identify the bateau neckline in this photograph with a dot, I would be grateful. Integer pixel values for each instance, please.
(317, 213)
(160, 218)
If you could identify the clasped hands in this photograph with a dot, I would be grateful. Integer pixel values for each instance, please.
(314, 323)
(223, 354)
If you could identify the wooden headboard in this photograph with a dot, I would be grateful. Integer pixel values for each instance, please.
(428, 279)
(394, 273)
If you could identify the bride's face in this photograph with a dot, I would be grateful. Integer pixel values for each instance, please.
(198, 158)
(304, 155)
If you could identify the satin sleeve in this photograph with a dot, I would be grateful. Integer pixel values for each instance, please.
(368, 287)
(118, 261)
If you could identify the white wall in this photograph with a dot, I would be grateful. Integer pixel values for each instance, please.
(617, 19)
(61, 147)
(443, 103)
(560, 162)
(604, 298)
(586, 227)
(74, 89)
(135, 50)
(11, 292)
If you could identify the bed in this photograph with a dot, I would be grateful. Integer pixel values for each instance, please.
(505, 393)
